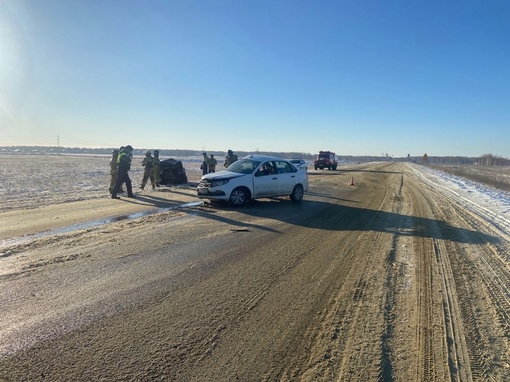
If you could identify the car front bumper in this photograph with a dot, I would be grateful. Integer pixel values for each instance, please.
(207, 193)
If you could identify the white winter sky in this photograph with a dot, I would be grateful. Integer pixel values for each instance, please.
(354, 77)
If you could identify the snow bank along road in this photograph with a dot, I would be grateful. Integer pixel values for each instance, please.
(394, 278)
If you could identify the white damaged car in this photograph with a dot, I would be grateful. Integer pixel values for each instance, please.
(252, 177)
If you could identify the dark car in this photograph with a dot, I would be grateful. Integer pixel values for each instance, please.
(172, 172)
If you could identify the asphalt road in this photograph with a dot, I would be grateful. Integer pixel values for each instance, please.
(387, 279)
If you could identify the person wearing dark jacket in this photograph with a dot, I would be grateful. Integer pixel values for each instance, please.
(156, 169)
(123, 167)
(113, 169)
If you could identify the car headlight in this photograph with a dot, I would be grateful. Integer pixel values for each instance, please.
(218, 183)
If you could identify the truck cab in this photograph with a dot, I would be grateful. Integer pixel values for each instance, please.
(325, 159)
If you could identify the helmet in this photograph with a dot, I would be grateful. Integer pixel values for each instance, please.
(115, 152)
(156, 152)
(148, 153)
(212, 155)
(230, 152)
(128, 148)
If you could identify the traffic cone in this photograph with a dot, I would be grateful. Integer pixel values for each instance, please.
(352, 181)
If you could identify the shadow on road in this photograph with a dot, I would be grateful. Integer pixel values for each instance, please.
(334, 217)
(319, 215)
(210, 213)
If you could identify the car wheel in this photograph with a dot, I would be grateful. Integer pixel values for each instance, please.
(238, 197)
(297, 193)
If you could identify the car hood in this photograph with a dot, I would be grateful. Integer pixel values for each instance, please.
(223, 174)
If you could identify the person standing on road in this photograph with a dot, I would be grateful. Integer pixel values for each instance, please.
(230, 158)
(212, 163)
(123, 167)
(148, 164)
(156, 169)
(204, 164)
(113, 170)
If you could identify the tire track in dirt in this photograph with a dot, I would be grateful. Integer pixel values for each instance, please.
(489, 269)
(425, 370)
(386, 372)
(486, 308)
(409, 299)
(458, 359)
(348, 344)
(439, 327)
(354, 342)
(481, 265)
(322, 356)
(438, 352)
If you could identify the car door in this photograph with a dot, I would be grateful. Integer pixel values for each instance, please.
(265, 181)
(286, 177)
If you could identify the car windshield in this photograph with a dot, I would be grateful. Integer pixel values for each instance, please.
(243, 166)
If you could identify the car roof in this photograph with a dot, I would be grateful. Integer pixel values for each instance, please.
(263, 158)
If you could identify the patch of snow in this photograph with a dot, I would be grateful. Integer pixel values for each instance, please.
(30, 181)
(492, 203)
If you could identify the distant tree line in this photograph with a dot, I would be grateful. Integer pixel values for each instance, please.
(488, 160)
(52, 150)
(484, 160)
(452, 160)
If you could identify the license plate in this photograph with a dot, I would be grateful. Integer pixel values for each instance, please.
(203, 191)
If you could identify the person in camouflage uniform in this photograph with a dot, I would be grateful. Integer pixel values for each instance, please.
(230, 158)
(212, 163)
(204, 164)
(113, 170)
(148, 164)
(123, 167)
(156, 168)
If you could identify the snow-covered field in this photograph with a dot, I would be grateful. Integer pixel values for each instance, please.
(492, 203)
(494, 176)
(29, 181)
